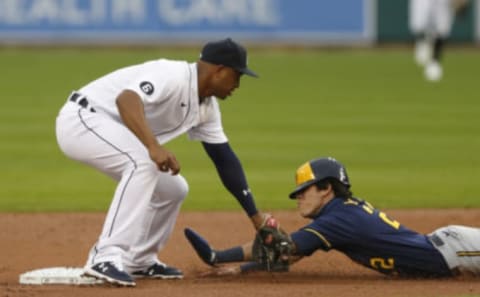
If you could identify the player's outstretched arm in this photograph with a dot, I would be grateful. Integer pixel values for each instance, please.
(201, 247)
(233, 178)
(243, 253)
(213, 257)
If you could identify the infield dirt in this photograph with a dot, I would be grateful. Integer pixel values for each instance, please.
(41, 240)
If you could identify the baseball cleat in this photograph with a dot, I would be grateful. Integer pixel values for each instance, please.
(110, 273)
(159, 270)
(433, 71)
(201, 246)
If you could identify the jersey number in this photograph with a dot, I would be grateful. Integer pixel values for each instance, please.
(377, 262)
(383, 216)
(393, 223)
(382, 264)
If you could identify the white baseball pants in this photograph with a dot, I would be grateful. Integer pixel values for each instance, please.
(460, 246)
(433, 17)
(146, 202)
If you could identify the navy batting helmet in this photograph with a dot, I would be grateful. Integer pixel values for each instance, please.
(315, 170)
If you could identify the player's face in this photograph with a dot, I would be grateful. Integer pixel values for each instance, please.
(311, 200)
(225, 81)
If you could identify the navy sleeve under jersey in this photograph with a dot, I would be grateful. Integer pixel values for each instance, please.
(369, 237)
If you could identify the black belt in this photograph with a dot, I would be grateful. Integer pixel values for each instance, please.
(80, 100)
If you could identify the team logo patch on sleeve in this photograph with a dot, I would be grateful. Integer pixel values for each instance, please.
(147, 87)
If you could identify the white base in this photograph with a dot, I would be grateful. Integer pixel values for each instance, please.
(57, 276)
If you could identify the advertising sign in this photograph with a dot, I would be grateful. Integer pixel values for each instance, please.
(183, 21)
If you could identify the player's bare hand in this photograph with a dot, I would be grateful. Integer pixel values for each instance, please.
(222, 271)
(261, 220)
(165, 160)
(173, 164)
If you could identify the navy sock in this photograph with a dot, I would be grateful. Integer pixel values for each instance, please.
(234, 254)
(438, 48)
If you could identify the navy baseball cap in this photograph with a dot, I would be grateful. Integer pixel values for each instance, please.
(228, 53)
(315, 170)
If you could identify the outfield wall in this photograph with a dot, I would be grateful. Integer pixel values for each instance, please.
(297, 22)
(183, 21)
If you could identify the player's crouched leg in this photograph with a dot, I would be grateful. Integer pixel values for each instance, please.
(165, 204)
(164, 190)
(170, 189)
(156, 225)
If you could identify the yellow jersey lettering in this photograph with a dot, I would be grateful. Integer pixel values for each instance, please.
(381, 263)
(367, 209)
(393, 223)
(350, 201)
(383, 216)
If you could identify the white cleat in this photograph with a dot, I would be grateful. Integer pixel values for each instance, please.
(433, 71)
(423, 52)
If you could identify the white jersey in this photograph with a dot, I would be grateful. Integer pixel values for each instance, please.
(169, 92)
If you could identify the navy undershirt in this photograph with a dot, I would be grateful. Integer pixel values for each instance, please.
(231, 173)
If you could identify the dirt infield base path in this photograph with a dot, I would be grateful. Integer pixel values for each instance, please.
(32, 241)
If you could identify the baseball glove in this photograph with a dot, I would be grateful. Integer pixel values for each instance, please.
(272, 248)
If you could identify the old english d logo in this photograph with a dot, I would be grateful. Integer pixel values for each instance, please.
(147, 87)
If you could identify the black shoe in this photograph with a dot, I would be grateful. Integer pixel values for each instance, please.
(158, 270)
(109, 272)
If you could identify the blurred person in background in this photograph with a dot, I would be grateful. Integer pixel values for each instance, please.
(431, 22)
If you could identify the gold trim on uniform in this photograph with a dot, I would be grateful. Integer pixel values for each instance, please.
(319, 236)
(468, 253)
(350, 201)
(304, 174)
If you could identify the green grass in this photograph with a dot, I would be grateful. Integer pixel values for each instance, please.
(405, 142)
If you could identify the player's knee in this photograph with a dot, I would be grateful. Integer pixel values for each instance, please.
(180, 189)
(170, 189)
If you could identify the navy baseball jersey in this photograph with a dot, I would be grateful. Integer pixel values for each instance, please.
(369, 237)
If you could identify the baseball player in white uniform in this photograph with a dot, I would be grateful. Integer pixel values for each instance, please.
(119, 123)
(431, 22)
